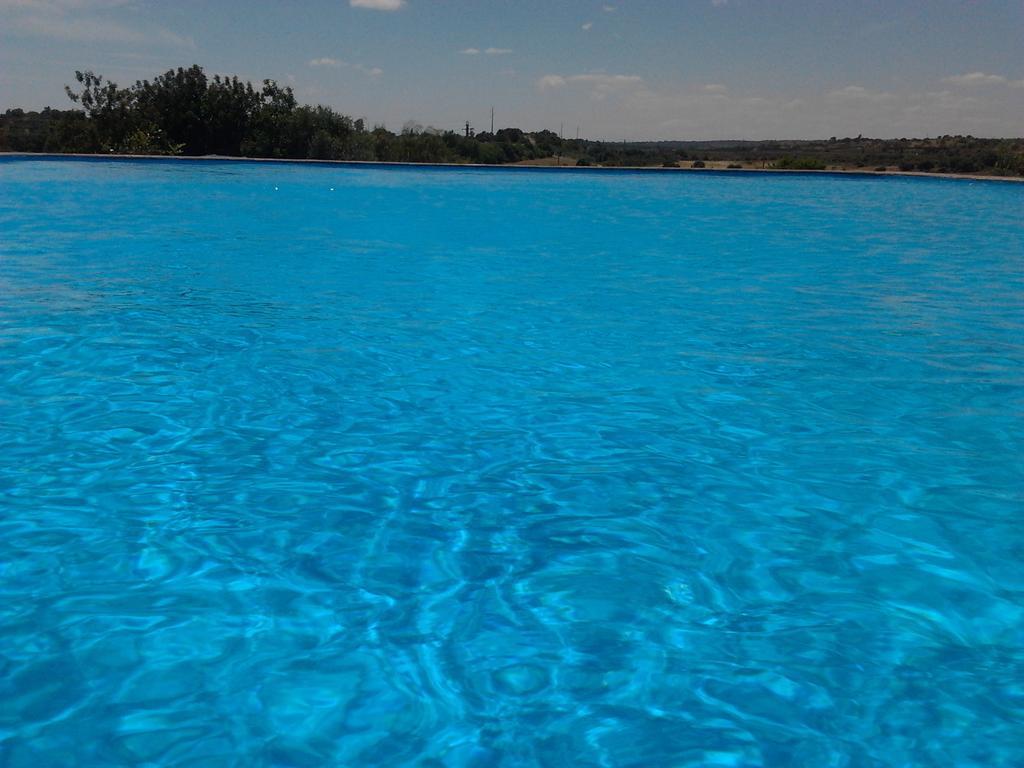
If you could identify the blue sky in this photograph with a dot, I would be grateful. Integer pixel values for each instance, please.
(683, 69)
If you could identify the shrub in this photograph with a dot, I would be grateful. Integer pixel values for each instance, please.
(733, 166)
(1010, 162)
(800, 164)
(697, 164)
(491, 154)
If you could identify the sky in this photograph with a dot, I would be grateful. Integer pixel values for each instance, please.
(621, 69)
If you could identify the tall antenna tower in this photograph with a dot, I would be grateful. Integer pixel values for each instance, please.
(492, 119)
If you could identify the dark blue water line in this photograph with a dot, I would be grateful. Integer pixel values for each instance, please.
(455, 167)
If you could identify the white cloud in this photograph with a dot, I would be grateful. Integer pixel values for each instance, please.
(551, 81)
(327, 61)
(586, 27)
(636, 109)
(598, 80)
(89, 21)
(982, 78)
(77, 28)
(601, 85)
(975, 78)
(489, 51)
(609, 9)
(859, 93)
(61, 5)
(378, 5)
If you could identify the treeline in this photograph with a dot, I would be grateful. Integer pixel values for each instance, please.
(186, 112)
(942, 154)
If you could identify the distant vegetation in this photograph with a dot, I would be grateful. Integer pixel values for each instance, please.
(943, 154)
(789, 163)
(186, 112)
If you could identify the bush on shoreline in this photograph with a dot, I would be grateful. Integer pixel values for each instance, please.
(800, 164)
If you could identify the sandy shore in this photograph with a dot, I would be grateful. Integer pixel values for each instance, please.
(730, 166)
(550, 164)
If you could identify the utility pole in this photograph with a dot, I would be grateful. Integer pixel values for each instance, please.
(492, 120)
(467, 129)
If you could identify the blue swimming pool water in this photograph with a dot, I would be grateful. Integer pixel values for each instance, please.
(324, 466)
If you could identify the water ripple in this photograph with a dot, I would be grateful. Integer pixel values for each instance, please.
(589, 470)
